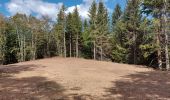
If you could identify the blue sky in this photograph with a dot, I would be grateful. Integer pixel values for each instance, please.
(51, 7)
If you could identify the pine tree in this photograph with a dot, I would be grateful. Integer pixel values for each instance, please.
(119, 38)
(69, 32)
(77, 29)
(119, 42)
(116, 15)
(60, 32)
(159, 10)
(102, 24)
(132, 19)
(148, 47)
(93, 27)
(86, 41)
(3, 27)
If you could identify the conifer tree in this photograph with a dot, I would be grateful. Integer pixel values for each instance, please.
(69, 32)
(86, 41)
(119, 38)
(102, 30)
(116, 15)
(60, 32)
(92, 25)
(3, 27)
(159, 10)
(132, 19)
(77, 29)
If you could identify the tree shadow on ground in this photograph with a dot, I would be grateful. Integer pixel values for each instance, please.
(154, 85)
(15, 69)
(32, 88)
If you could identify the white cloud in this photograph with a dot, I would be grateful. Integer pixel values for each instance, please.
(38, 7)
(83, 8)
(41, 8)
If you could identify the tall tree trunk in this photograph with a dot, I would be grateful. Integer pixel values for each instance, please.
(166, 34)
(22, 50)
(134, 49)
(77, 47)
(101, 53)
(58, 48)
(19, 42)
(94, 50)
(159, 51)
(70, 46)
(65, 52)
(24, 46)
(33, 47)
(61, 50)
(48, 47)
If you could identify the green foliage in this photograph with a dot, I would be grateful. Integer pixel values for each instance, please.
(153, 7)
(132, 38)
(119, 43)
(60, 30)
(116, 15)
(86, 39)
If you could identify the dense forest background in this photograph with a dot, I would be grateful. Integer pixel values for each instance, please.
(137, 34)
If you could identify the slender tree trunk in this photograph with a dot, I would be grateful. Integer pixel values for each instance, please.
(58, 48)
(70, 46)
(48, 40)
(94, 50)
(77, 47)
(166, 35)
(134, 49)
(101, 53)
(21, 47)
(159, 51)
(24, 46)
(61, 50)
(19, 42)
(33, 47)
(65, 52)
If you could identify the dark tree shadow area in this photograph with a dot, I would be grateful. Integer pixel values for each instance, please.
(154, 85)
(31, 88)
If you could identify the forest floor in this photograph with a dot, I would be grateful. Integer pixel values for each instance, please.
(80, 79)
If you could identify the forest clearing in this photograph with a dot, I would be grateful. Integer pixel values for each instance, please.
(80, 79)
(84, 49)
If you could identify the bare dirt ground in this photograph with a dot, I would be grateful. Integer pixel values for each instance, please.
(80, 79)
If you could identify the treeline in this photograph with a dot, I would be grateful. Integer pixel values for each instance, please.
(136, 35)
